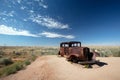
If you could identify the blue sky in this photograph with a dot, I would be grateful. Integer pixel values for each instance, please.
(49, 22)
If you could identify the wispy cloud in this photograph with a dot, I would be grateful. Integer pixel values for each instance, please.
(31, 11)
(24, 19)
(56, 35)
(22, 7)
(5, 13)
(41, 3)
(6, 30)
(19, 1)
(48, 22)
(13, 31)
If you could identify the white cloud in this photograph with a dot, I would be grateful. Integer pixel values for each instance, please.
(4, 19)
(43, 5)
(19, 1)
(11, 13)
(24, 19)
(5, 13)
(55, 35)
(31, 11)
(48, 22)
(22, 7)
(13, 31)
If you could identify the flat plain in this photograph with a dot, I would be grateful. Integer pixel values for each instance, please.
(52, 67)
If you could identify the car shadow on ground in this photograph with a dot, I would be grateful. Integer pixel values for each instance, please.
(99, 64)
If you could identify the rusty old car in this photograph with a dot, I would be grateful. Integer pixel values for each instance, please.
(73, 51)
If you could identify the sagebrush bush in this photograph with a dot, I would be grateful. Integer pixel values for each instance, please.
(27, 62)
(11, 69)
(107, 51)
(2, 53)
(33, 57)
(5, 61)
(1, 56)
(19, 66)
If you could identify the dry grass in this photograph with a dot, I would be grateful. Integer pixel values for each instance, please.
(26, 55)
(107, 51)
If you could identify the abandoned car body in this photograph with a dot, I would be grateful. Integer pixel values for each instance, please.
(74, 52)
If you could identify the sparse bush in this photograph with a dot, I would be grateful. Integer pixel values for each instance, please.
(87, 66)
(13, 52)
(27, 62)
(32, 57)
(5, 61)
(116, 54)
(49, 51)
(18, 53)
(2, 53)
(11, 69)
(108, 51)
(1, 56)
(19, 66)
(42, 53)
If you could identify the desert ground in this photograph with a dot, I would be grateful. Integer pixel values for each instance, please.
(52, 67)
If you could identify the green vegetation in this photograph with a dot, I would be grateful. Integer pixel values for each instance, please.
(87, 66)
(13, 59)
(11, 69)
(50, 51)
(27, 62)
(107, 51)
(16, 66)
(1, 53)
(5, 61)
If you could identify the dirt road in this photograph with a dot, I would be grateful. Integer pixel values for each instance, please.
(57, 68)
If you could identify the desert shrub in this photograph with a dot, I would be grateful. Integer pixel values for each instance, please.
(87, 66)
(2, 53)
(49, 51)
(33, 57)
(5, 61)
(116, 54)
(1, 56)
(108, 51)
(18, 53)
(19, 66)
(104, 53)
(27, 62)
(11, 69)
(13, 52)
(42, 53)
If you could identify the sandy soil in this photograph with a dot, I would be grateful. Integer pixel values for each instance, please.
(57, 68)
